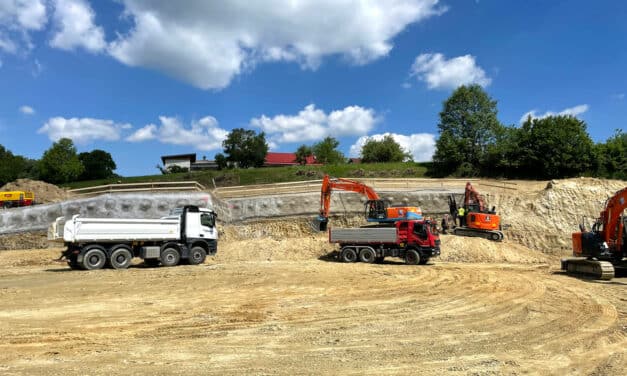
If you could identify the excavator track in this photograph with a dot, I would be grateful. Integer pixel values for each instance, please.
(589, 268)
(496, 236)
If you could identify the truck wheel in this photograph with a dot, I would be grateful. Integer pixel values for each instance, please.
(495, 236)
(412, 257)
(120, 258)
(348, 255)
(94, 259)
(170, 257)
(197, 256)
(367, 255)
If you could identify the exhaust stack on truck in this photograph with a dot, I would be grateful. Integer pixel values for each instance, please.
(188, 235)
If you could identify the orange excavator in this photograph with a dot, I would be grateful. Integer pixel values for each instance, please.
(597, 251)
(377, 210)
(479, 221)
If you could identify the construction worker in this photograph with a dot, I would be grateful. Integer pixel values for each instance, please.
(460, 214)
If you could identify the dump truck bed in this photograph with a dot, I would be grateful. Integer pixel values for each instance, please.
(105, 229)
(363, 235)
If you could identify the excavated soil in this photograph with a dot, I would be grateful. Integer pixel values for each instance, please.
(274, 301)
(44, 193)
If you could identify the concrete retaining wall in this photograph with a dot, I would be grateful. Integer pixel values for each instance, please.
(144, 205)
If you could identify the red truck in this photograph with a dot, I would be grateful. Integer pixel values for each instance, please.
(415, 241)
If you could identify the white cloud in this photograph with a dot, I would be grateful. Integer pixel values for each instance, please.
(20, 14)
(619, 96)
(572, 111)
(440, 73)
(17, 19)
(82, 130)
(27, 110)
(204, 134)
(74, 27)
(311, 124)
(420, 145)
(143, 134)
(208, 43)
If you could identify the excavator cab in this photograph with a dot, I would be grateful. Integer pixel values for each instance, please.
(376, 209)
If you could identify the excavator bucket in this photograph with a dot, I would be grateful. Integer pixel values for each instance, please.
(320, 223)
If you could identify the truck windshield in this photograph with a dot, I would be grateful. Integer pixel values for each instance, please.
(207, 220)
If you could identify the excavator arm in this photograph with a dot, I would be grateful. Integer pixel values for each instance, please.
(329, 184)
(612, 226)
(376, 209)
(473, 198)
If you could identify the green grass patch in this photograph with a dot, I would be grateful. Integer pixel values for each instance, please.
(267, 175)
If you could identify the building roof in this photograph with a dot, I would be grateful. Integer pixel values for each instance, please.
(286, 159)
(191, 157)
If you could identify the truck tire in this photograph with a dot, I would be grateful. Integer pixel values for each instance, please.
(348, 255)
(412, 257)
(367, 255)
(170, 257)
(120, 258)
(93, 259)
(197, 255)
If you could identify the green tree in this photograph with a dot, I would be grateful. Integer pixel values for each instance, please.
(98, 164)
(326, 151)
(15, 166)
(60, 163)
(302, 153)
(221, 161)
(554, 147)
(245, 148)
(612, 156)
(386, 150)
(468, 128)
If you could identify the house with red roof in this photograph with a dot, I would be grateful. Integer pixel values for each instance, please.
(287, 159)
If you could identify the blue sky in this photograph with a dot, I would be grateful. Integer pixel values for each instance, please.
(141, 79)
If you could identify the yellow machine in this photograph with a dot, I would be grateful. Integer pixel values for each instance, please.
(13, 199)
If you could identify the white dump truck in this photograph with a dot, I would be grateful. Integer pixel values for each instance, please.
(188, 235)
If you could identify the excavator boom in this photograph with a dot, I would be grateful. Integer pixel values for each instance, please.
(376, 209)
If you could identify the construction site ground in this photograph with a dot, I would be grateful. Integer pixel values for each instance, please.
(273, 301)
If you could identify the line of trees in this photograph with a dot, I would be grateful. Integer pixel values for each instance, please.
(473, 142)
(59, 164)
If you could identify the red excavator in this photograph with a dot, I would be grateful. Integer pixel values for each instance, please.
(478, 219)
(602, 248)
(377, 210)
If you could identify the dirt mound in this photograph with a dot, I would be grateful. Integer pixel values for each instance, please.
(44, 193)
(544, 219)
(467, 249)
(32, 240)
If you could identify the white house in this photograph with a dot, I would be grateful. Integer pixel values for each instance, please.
(181, 160)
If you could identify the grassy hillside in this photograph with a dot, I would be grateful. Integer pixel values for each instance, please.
(274, 174)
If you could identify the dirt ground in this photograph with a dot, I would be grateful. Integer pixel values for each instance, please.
(250, 310)
(272, 302)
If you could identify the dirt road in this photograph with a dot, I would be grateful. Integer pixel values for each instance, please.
(309, 316)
